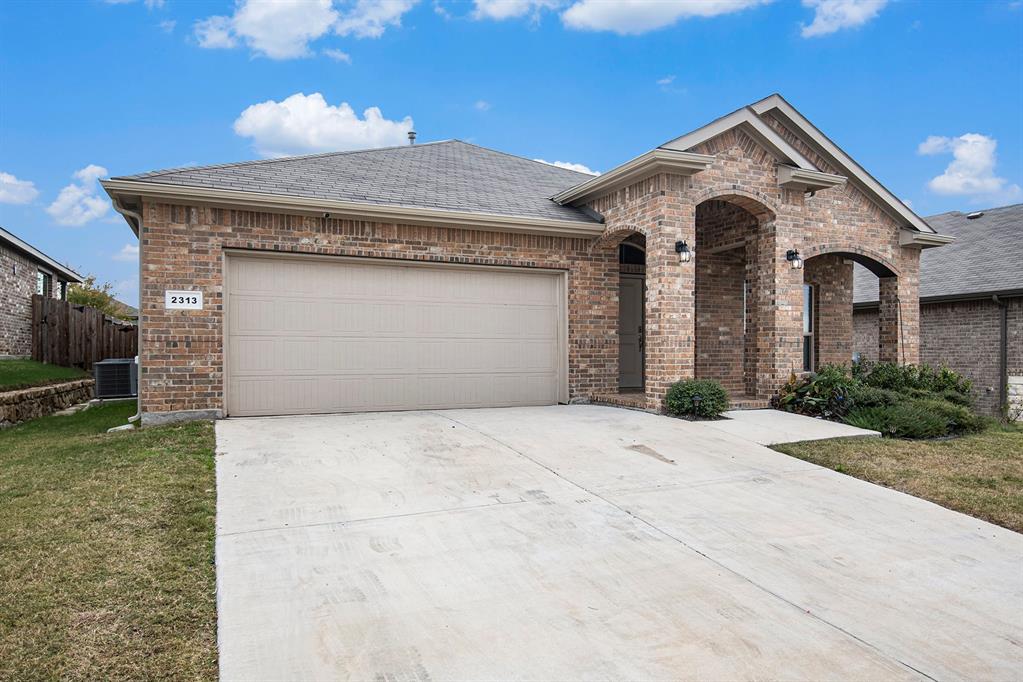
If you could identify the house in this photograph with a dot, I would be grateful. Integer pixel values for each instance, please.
(449, 275)
(25, 270)
(971, 304)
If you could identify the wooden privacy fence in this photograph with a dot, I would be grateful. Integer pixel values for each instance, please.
(76, 336)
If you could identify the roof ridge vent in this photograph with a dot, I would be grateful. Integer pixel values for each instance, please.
(974, 215)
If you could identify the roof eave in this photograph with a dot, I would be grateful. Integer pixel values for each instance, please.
(39, 257)
(385, 212)
(925, 240)
(807, 180)
(857, 174)
(654, 161)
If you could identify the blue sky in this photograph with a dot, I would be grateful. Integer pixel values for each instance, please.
(926, 95)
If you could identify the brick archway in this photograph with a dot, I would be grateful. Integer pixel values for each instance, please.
(758, 204)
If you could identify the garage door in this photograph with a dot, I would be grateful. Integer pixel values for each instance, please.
(308, 335)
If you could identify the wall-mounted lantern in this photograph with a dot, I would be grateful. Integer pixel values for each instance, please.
(792, 256)
(684, 254)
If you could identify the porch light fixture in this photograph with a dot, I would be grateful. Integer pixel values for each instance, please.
(684, 254)
(792, 256)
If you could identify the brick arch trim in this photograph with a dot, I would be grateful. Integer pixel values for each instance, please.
(757, 203)
(874, 261)
(613, 236)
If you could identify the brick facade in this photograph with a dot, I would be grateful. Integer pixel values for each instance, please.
(735, 216)
(183, 247)
(18, 282)
(965, 336)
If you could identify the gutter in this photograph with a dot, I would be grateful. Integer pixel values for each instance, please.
(950, 298)
(135, 221)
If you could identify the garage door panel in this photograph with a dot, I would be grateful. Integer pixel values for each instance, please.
(335, 336)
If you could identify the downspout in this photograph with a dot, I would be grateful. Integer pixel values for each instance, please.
(131, 216)
(1003, 357)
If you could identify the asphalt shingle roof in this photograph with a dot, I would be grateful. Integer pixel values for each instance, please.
(450, 175)
(986, 257)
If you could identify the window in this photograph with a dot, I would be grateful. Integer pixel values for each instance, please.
(44, 284)
(808, 359)
(63, 290)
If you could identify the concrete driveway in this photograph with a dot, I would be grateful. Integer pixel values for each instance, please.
(584, 542)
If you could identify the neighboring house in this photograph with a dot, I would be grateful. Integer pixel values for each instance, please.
(971, 304)
(126, 312)
(450, 275)
(25, 270)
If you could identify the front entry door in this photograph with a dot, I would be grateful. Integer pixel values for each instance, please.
(630, 332)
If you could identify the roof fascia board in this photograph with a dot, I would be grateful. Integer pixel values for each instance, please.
(389, 213)
(38, 256)
(950, 298)
(656, 160)
(750, 122)
(828, 149)
(925, 240)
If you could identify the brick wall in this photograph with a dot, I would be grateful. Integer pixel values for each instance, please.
(183, 248)
(963, 335)
(16, 291)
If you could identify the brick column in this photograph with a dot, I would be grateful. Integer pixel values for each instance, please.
(778, 296)
(898, 314)
(832, 276)
(670, 300)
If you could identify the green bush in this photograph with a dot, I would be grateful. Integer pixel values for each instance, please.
(869, 396)
(902, 420)
(822, 394)
(713, 398)
(913, 379)
(957, 398)
(958, 419)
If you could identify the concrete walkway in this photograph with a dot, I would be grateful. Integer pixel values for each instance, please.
(585, 542)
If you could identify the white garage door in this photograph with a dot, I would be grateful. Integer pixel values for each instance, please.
(312, 335)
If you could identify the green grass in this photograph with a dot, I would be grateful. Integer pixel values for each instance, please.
(15, 374)
(980, 475)
(106, 549)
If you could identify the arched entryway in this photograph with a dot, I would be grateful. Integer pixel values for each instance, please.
(829, 332)
(730, 245)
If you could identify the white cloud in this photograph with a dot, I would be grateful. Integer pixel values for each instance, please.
(639, 16)
(214, 33)
(578, 167)
(370, 18)
(508, 9)
(128, 252)
(667, 80)
(833, 15)
(481, 105)
(79, 202)
(15, 191)
(338, 55)
(168, 25)
(306, 123)
(283, 29)
(972, 169)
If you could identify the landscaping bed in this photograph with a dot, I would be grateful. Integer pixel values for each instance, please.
(979, 474)
(107, 546)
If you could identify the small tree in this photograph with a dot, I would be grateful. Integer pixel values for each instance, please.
(94, 295)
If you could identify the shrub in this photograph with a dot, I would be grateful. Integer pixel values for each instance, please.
(902, 420)
(912, 379)
(956, 398)
(823, 393)
(869, 396)
(713, 398)
(958, 419)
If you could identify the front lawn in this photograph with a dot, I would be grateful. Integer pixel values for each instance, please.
(15, 374)
(980, 474)
(106, 549)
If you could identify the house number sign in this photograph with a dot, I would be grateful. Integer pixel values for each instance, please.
(182, 300)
